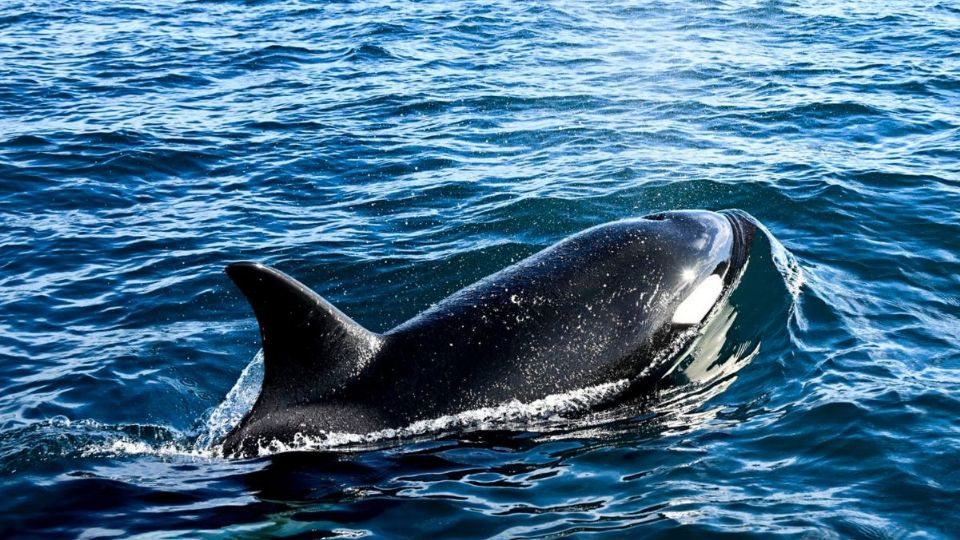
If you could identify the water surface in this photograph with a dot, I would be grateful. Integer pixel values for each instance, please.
(390, 153)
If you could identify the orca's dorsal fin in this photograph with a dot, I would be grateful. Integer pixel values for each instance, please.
(310, 348)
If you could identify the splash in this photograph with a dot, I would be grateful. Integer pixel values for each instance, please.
(239, 401)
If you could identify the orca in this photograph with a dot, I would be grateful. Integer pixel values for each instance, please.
(619, 301)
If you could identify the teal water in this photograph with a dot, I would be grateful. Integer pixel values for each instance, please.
(388, 154)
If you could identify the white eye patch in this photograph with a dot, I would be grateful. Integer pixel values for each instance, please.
(696, 306)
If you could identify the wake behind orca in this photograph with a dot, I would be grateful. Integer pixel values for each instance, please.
(619, 301)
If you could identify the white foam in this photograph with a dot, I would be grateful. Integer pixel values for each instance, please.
(126, 446)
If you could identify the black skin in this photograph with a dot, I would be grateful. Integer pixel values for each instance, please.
(593, 308)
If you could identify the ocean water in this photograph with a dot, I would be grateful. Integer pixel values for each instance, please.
(390, 153)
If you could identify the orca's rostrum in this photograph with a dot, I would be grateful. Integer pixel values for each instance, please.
(618, 301)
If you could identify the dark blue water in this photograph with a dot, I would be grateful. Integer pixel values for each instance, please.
(390, 153)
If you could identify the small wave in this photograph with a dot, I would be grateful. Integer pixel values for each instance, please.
(25, 142)
(370, 52)
(811, 113)
(273, 56)
(59, 437)
(788, 266)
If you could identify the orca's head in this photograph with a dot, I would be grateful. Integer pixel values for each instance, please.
(693, 258)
